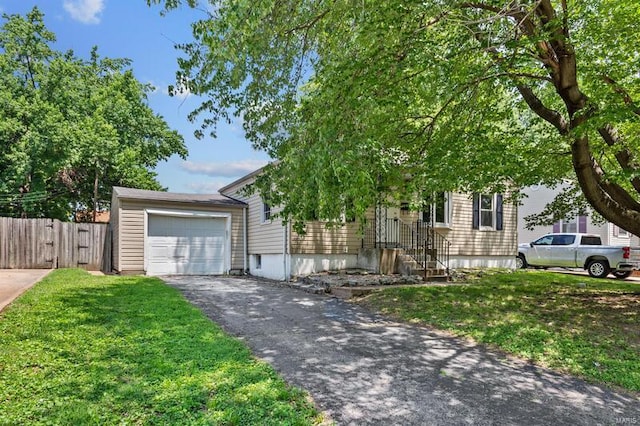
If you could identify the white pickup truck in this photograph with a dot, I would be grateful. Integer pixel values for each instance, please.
(585, 251)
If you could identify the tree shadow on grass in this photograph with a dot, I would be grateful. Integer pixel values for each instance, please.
(366, 369)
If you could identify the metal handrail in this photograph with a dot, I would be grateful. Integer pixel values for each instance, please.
(418, 239)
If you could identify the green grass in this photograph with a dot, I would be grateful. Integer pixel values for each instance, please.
(79, 349)
(574, 324)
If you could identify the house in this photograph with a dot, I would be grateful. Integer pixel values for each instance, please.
(160, 233)
(538, 196)
(84, 216)
(457, 231)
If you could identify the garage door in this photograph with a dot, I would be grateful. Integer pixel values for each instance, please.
(186, 245)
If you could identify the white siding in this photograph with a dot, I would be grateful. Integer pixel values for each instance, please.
(537, 198)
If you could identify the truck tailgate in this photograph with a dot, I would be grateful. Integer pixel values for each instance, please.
(634, 256)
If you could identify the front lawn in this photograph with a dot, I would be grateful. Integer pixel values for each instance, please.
(79, 349)
(575, 324)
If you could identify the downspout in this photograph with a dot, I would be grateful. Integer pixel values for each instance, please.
(285, 273)
(288, 246)
(245, 239)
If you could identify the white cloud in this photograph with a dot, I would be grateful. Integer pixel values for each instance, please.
(233, 169)
(85, 11)
(207, 187)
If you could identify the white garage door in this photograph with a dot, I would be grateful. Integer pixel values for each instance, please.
(186, 245)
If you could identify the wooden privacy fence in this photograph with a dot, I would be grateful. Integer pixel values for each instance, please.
(51, 244)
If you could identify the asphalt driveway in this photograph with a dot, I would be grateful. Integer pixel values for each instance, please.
(363, 369)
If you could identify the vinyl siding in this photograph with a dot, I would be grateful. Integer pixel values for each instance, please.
(466, 241)
(319, 239)
(613, 239)
(131, 231)
(263, 237)
(267, 238)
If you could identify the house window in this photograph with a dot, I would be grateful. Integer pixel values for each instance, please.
(576, 224)
(569, 225)
(257, 259)
(487, 212)
(619, 232)
(438, 210)
(266, 212)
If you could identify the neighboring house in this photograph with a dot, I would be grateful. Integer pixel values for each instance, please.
(457, 231)
(539, 196)
(84, 216)
(161, 233)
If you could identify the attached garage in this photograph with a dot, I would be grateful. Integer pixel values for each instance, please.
(161, 233)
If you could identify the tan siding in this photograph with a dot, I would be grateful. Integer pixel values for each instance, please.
(264, 238)
(131, 236)
(319, 239)
(466, 241)
(132, 231)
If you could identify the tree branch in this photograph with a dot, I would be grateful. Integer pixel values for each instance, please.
(626, 97)
(553, 117)
(623, 156)
(307, 25)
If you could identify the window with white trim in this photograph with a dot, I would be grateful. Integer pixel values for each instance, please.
(619, 232)
(438, 210)
(576, 224)
(569, 225)
(266, 212)
(488, 212)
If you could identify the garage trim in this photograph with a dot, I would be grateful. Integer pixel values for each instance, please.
(189, 213)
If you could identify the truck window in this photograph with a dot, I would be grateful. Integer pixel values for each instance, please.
(563, 240)
(544, 241)
(590, 241)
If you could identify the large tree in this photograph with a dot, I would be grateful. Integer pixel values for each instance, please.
(359, 99)
(71, 128)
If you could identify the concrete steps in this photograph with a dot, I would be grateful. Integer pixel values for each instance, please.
(431, 271)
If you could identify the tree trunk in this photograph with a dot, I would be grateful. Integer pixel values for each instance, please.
(611, 201)
(95, 195)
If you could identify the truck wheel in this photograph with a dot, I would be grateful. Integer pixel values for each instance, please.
(621, 275)
(521, 262)
(598, 268)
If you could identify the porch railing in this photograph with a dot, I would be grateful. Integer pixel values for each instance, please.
(418, 239)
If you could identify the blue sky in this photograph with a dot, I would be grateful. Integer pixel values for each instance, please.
(131, 29)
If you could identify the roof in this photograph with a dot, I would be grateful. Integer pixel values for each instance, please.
(246, 177)
(202, 199)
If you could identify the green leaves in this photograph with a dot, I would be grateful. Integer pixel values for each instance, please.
(70, 128)
(430, 95)
(80, 349)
